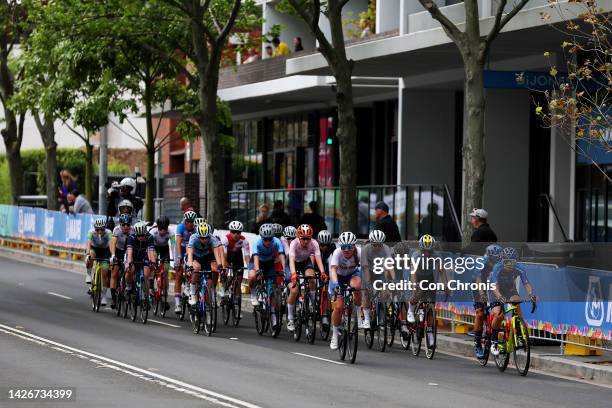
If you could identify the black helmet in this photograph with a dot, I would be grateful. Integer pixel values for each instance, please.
(163, 222)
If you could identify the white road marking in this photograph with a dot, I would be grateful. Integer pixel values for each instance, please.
(318, 358)
(434, 384)
(233, 338)
(59, 296)
(163, 323)
(145, 375)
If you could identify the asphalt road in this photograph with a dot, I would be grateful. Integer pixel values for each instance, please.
(49, 337)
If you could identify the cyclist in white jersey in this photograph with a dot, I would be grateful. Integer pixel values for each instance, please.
(162, 235)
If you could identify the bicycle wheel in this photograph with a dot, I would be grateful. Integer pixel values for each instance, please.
(485, 343)
(213, 309)
(183, 308)
(157, 298)
(416, 338)
(227, 305)
(298, 319)
(407, 337)
(96, 289)
(431, 331)
(207, 313)
(195, 317)
(325, 329)
(134, 304)
(144, 305)
(502, 358)
(272, 310)
(258, 312)
(342, 341)
(353, 335)
(381, 326)
(119, 292)
(522, 351)
(310, 319)
(368, 334)
(237, 305)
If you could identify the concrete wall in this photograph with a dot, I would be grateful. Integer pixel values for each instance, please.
(507, 156)
(292, 27)
(427, 130)
(387, 15)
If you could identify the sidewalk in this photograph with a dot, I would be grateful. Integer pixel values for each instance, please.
(596, 369)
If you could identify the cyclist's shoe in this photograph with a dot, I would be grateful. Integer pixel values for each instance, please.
(290, 325)
(496, 348)
(254, 300)
(274, 320)
(478, 351)
(366, 323)
(410, 317)
(405, 332)
(192, 300)
(177, 309)
(88, 277)
(334, 343)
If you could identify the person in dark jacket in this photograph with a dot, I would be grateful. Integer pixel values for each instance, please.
(314, 219)
(482, 230)
(385, 223)
(279, 215)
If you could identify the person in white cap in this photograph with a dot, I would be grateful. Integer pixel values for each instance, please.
(482, 230)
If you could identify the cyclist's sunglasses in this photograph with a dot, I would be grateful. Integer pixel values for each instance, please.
(347, 247)
(126, 225)
(235, 232)
(266, 239)
(509, 262)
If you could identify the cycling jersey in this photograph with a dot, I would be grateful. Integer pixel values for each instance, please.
(302, 254)
(140, 249)
(158, 239)
(100, 240)
(121, 242)
(266, 254)
(426, 265)
(201, 250)
(506, 279)
(482, 275)
(185, 234)
(326, 255)
(236, 249)
(345, 266)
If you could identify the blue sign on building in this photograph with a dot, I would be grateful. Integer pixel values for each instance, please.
(522, 80)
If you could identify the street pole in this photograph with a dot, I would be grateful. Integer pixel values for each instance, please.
(103, 171)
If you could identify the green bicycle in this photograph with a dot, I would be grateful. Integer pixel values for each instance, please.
(96, 284)
(514, 339)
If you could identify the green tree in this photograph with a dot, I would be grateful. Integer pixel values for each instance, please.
(334, 52)
(474, 48)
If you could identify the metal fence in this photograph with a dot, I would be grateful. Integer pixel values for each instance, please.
(417, 209)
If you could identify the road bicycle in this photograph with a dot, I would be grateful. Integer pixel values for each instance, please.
(268, 298)
(122, 300)
(513, 339)
(306, 308)
(425, 325)
(231, 303)
(139, 296)
(160, 291)
(96, 283)
(378, 322)
(349, 332)
(325, 309)
(203, 314)
(396, 312)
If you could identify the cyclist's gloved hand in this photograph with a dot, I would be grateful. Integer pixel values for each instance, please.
(324, 277)
(113, 259)
(293, 277)
(88, 258)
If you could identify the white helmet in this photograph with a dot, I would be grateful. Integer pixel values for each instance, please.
(347, 238)
(199, 221)
(128, 182)
(278, 229)
(100, 223)
(126, 203)
(290, 232)
(324, 237)
(140, 228)
(236, 226)
(266, 231)
(377, 236)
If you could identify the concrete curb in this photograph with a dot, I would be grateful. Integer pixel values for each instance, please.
(598, 374)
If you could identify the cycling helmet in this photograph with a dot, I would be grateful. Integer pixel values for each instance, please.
(427, 242)
(190, 216)
(347, 238)
(203, 230)
(125, 219)
(377, 237)
(236, 226)
(163, 222)
(509, 253)
(125, 203)
(305, 231)
(266, 231)
(324, 237)
(141, 228)
(129, 183)
(494, 251)
(290, 232)
(278, 229)
(100, 223)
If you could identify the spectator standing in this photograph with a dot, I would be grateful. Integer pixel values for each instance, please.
(279, 215)
(314, 219)
(280, 47)
(482, 230)
(78, 204)
(385, 223)
(269, 51)
(297, 44)
(262, 218)
(432, 223)
(69, 183)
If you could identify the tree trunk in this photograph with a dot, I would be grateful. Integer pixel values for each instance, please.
(347, 138)
(47, 134)
(89, 171)
(13, 156)
(150, 189)
(473, 142)
(12, 133)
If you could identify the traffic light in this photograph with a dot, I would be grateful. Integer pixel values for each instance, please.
(330, 141)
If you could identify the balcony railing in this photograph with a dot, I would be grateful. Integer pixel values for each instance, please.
(411, 207)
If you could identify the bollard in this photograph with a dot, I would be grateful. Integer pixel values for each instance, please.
(582, 348)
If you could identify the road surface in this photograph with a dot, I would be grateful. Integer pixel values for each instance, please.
(50, 338)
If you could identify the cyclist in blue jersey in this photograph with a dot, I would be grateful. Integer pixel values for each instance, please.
(161, 238)
(267, 251)
(202, 255)
(505, 275)
(140, 254)
(491, 258)
(184, 231)
(118, 247)
(97, 247)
